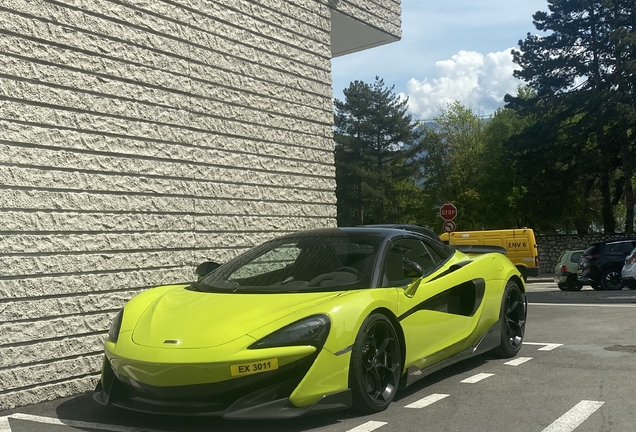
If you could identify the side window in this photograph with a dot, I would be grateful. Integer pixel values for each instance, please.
(409, 249)
(627, 247)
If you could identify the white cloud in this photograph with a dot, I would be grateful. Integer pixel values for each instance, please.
(476, 80)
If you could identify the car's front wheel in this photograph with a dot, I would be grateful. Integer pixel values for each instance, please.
(375, 368)
(513, 321)
(611, 280)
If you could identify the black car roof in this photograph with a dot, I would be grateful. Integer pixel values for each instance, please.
(405, 227)
(384, 231)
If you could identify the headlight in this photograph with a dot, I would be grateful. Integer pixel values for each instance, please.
(113, 333)
(309, 331)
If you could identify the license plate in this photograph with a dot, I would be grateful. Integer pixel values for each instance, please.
(254, 367)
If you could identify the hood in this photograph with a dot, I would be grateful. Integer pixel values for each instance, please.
(200, 320)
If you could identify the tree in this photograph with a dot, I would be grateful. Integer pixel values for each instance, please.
(585, 92)
(375, 152)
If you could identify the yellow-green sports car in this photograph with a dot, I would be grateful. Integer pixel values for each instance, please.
(316, 320)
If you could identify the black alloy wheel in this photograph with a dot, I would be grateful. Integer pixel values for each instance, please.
(611, 280)
(514, 310)
(375, 369)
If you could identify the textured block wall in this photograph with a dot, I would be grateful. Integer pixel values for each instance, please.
(138, 138)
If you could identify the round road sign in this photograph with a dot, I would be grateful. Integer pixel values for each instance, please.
(449, 226)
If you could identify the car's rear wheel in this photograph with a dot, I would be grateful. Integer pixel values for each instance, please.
(562, 287)
(572, 284)
(611, 280)
(375, 369)
(513, 321)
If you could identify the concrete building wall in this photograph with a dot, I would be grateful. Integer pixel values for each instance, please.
(141, 137)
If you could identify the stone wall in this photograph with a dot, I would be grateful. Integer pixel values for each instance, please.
(552, 246)
(139, 138)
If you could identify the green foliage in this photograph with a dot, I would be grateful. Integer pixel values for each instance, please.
(375, 151)
(581, 141)
(464, 163)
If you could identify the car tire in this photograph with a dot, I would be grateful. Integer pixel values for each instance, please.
(376, 365)
(514, 310)
(562, 287)
(611, 280)
(572, 284)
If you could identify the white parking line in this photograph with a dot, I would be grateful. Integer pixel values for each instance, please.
(5, 427)
(573, 418)
(476, 378)
(4, 424)
(518, 361)
(428, 400)
(547, 346)
(368, 426)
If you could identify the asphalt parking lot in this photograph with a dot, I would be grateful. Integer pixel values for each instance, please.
(576, 371)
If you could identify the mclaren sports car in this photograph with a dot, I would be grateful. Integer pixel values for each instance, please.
(316, 320)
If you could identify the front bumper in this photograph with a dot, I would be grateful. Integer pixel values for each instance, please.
(267, 395)
(266, 403)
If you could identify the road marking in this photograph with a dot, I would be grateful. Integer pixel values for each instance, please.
(428, 400)
(547, 346)
(4, 424)
(518, 361)
(476, 378)
(71, 423)
(610, 305)
(573, 418)
(368, 426)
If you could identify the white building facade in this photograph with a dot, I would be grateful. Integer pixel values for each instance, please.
(139, 138)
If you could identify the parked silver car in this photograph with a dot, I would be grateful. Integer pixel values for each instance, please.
(628, 274)
(565, 271)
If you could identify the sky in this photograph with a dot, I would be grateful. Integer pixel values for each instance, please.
(451, 50)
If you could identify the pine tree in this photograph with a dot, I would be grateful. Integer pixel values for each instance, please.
(376, 167)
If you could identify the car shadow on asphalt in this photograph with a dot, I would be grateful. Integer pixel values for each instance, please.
(451, 371)
(83, 408)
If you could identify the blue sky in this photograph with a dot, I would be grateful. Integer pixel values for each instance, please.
(450, 50)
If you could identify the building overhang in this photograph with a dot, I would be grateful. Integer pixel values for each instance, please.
(349, 35)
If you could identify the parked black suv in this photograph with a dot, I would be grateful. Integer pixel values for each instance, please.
(601, 264)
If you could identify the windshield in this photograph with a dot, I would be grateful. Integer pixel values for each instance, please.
(323, 261)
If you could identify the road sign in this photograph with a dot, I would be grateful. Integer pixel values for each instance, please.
(448, 212)
(449, 226)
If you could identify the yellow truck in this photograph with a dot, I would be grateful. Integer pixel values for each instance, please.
(520, 244)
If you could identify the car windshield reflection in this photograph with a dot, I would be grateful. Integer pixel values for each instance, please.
(332, 261)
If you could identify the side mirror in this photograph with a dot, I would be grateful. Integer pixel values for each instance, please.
(206, 268)
(412, 269)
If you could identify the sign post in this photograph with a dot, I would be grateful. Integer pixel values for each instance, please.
(448, 212)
